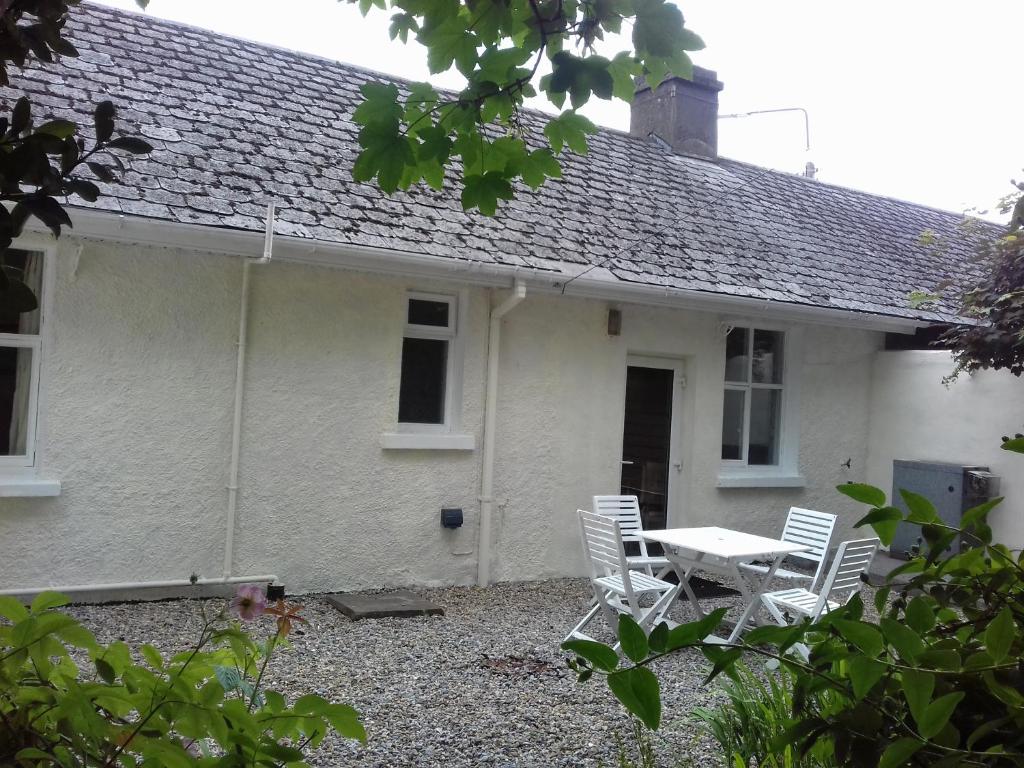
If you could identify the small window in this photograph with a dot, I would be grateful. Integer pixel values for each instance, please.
(752, 414)
(425, 391)
(19, 363)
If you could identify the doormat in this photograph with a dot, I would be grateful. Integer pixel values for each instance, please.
(704, 588)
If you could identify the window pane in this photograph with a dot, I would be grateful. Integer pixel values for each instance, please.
(765, 406)
(29, 266)
(736, 362)
(768, 357)
(732, 425)
(424, 312)
(421, 397)
(15, 392)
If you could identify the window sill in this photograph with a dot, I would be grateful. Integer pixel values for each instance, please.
(420, 441)
(761, 480)
(27, 485)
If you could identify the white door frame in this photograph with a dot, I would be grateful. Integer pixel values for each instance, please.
(676, 474)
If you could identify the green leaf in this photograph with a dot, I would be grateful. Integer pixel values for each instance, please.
(657, 28)
(884, 521)
(638, 690)
(864, 673)
(864, 636)
(632, 638)
(921, 509)
(1015, 444)
(62, 129)
(21, 116)
(106, 672)
(12, 609)
(46, 600)
(917, 688)
(658, 640)
(152, 656)
(906, 642)
(866, 494)
(599, 655)
(484, 190)
(999, 635)
(695, 631)
(938, 714)
(920, 614)
(899, 752)
(379, 105)
(569, 129)
(539, 165)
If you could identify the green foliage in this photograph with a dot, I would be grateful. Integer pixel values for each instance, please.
(935, 681)
(752, 727)
(997, 303)
(417, 134)
(43, 164)
(66, 700)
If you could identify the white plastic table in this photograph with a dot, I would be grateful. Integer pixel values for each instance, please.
(720, 550)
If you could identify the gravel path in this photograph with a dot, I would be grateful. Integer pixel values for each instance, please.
(484, 685)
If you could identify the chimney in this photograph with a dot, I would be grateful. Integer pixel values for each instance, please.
(682, 112)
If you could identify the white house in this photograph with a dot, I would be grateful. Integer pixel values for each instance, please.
(702, 330)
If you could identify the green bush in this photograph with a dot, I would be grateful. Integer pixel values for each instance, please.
(757, 715)
(66, 700)
(936, 681)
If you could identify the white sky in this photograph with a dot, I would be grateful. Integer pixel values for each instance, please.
(913, 99)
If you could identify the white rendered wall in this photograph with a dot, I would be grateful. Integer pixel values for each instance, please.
(914, 416)
(138, 373)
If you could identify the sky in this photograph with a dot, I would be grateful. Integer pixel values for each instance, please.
(912, 99)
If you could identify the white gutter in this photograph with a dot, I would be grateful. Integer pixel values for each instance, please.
(123, 585)
(596, 284)
(490, 421)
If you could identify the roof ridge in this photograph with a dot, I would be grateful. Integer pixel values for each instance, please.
(800, 178)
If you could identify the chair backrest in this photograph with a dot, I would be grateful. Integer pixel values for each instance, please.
(812, 529)
(852, 559)
(625, 510)
(602, 544)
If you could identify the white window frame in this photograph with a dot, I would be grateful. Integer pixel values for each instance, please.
(453, 370)
(27, 461)
(784, 473)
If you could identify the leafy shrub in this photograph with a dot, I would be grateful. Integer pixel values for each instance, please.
(937, 681)
(203, 707)
(759, 711)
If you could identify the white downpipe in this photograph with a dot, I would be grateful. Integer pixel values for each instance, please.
(490, 421)
(236, 422)
(268, 578)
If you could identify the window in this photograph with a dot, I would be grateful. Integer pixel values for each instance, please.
(752, 417)
(425, 394)
(19, 363)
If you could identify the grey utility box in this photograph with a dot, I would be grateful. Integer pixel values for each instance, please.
(952, 488)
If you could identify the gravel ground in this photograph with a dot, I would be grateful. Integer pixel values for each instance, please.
(484, 685)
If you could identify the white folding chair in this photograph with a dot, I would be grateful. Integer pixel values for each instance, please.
(617, 589)
(814, 530)
(625, 510)
(840, 585)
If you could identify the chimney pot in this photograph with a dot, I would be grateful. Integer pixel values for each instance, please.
(682, 112)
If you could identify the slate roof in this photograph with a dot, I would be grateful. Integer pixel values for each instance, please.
(235, 123)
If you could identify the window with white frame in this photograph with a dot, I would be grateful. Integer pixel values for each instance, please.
(425, 398)
(752, 416)
(19, 363)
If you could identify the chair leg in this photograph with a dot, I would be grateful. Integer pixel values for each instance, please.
(773, 609)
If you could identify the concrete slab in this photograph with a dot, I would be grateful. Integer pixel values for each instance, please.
(378, 606)
(880, 568)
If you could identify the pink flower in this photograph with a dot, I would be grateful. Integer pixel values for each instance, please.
(249, 603)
